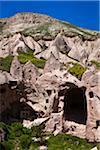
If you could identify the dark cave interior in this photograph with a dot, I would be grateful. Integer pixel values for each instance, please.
(18, 112)
(11, 109)
(75, 105)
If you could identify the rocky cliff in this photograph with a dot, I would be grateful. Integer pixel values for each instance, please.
(49, 73)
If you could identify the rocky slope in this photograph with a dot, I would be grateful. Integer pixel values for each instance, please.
(45, 65)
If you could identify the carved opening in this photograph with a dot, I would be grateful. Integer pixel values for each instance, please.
(75, 106)
(49, 92)
(55, 105)
(91, 95)
(47, 101)
(12, 83)
(45, 108)
(97, 123)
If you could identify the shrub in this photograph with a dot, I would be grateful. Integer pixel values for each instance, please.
(77, 70)
(37, 131)
(25, 141)
(34, 146)
(15, 130)
(25, 57)
(8, 145)
(5, 63)
(96, 63)
(19, 137)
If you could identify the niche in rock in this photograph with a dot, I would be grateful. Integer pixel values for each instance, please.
(75, 105)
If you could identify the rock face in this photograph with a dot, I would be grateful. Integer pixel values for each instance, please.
(64, 92)
(16, 69)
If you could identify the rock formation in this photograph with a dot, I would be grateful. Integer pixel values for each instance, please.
(50, 74)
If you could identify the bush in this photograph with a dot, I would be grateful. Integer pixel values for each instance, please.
(96, 63)
(5, 63)
(34, 146)
(25, 141)
(8, 145)
(64, 142)
(77, 70)
(37, 131)
(21, 137)
(25, 57)
(15, 130)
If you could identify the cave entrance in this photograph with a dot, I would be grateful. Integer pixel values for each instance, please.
(75, 105)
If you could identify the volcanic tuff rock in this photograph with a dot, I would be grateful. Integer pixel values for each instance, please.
(49, 72)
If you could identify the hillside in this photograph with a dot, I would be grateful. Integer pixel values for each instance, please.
(49, 75)
(42, 26)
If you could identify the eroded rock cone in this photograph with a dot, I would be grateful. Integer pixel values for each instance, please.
(16, 69)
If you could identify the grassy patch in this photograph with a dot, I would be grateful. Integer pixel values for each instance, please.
(77, 70)
(19, 137)
(96, 63)
(78, 29)
(25, 57)
(44, 29)
(5, 63)
(68, 142)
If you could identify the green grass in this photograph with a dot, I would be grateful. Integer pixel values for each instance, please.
(5, 63)
(87, 34)
(44, 29)
(20, 137)
(96, 63)
(25, 57)
(68, 142)
(77, 70)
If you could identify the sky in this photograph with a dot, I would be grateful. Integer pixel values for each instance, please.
(81, 13)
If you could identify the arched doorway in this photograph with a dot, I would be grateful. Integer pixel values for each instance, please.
(75, 105)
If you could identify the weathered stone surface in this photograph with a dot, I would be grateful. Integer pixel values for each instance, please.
(51, 64)
(75, 129)
(11, 45)
(3, 79)
(36, 122)
(61, 44)
(43, 147)
(54, 123)
(94, 148)
(29, 42)
(16, 69)
(30, 72)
